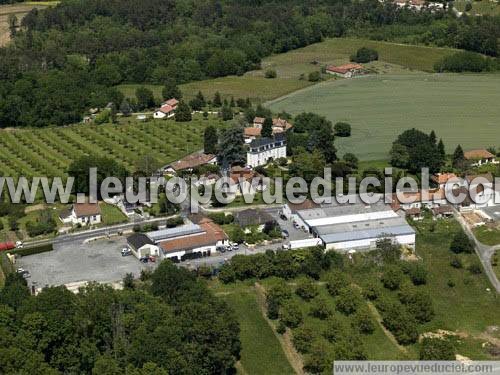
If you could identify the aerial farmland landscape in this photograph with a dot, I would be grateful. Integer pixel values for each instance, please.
(249, 187)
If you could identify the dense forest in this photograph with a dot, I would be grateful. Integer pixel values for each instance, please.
(169, 323)
(66, 59)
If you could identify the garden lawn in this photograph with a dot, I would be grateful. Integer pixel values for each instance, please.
(462, 109)
(487, 235)
(111, 214)
(261, 351)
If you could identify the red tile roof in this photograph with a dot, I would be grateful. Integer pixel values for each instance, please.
(478, 154)
(343, 69)
(259, 120)
(192, 161)
(252, 132)
(211, 235)
(172, 102)
(442, 178)
(166, 109)
(86, 209)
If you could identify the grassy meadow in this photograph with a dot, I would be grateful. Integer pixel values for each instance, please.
(461, 300)
(293, 67)
(261, 350)
(49, 151)
(462, 109)
(482, 7)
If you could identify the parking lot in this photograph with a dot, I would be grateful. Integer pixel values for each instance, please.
(74, 261)
(492, 212)
(294, 234)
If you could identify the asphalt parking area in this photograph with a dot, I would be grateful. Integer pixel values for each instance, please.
(294, 234)
(72, 262)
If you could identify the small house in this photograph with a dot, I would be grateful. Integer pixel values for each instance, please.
(253, 217)
(82, 214)
(167, 109)
(480, 157)
(345, 71)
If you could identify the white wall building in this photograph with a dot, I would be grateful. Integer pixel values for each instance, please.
(83, 214)
(263, 150)
(344, 227)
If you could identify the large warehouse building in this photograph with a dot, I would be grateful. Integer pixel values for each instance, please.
(355, 226)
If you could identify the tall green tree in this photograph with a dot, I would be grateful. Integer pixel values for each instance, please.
(231, 150)
(217, 102)
(267, 127)
(210, 140)
(458, 159)
(183, 112)
(145, 98)
(171, 91)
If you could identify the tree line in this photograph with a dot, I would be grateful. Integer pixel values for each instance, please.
(68, 58)
(168, 322)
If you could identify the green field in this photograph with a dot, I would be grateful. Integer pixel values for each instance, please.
(49, 151)
(487, 235)
(460, 108)
(290, 66)
(479, 7)
(261, 352)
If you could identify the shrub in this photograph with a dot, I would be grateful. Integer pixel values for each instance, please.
(401, 323)
(417, 273)
(306, 289)
(320, 309)
(270, 73)
(281, 329)
(336, 330)
(314, 77)
(335, 282)
(372, 290)
(302, 339)
(450, 283)
(461, 243)
(475, 268)
(342, 129)
(436, 349)
(363, 322)
(348, 301)
(290, 314)
(392, 277)
(365, 55)
(174, 221)
(456, 263)
(418, 303)
(463, 62)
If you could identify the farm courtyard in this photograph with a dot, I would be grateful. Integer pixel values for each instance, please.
(462, 109)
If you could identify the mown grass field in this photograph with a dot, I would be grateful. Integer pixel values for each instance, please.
(462, 109)
(291, 66)
(49, 151)
(261, 351)
(488, 235)
(479, 7)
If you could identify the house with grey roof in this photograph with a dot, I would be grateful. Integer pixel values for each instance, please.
(263, 150)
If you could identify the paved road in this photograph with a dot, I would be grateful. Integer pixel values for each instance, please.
(483, 251)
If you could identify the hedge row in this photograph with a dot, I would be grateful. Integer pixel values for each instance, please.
(33, 250)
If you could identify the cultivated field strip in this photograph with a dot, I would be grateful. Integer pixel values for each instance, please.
(49, 152)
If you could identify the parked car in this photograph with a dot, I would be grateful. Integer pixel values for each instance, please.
(283, 217)
(286, 246)
(126, 251)
(24, 273)
(19, 244)
(144, 259)
(284, 233)
(221, 249)
(295, 225)
(234, 246)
